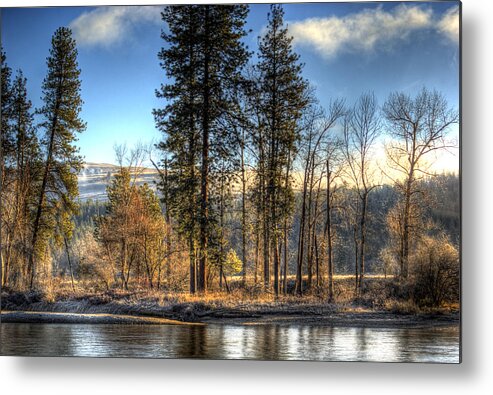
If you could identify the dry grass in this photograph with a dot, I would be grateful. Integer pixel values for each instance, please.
(378, 295)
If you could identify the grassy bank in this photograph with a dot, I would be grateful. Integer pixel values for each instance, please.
(377, 306)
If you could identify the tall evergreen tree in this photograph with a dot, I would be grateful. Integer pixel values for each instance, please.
(61, 123)
(283, 97)
(6, 151)
(26, 176)
(5, 114)
(204, 61)
(178, 121)
(223, 57)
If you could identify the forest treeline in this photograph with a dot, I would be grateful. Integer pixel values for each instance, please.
(258, 183)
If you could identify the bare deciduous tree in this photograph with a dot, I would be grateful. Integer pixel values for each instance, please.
(362, 127)
(418, 127)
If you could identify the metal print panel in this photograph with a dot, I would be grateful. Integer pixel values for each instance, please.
(245, 181)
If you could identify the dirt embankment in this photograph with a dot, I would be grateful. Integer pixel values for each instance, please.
(113, 309)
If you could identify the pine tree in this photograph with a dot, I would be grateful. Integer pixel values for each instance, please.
(5, 114)
(283, 97)
(178, 121)
(6, 154)
(204, 61)
(223, 57)
(19, 161)
(61, 123)
(26, 141)
(26, 174)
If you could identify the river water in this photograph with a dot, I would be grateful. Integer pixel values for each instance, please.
(263, 342)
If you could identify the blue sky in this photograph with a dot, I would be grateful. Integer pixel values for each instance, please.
(347, 48)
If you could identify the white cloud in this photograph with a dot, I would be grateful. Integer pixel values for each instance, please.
(105, 26)
(449, 24)
(368, 29)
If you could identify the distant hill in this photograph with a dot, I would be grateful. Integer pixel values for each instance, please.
(95, 177)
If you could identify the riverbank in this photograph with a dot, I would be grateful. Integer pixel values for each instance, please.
(135, 308)
(33, 317)
(363, 319)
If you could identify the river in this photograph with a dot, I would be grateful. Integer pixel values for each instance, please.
(262, 342)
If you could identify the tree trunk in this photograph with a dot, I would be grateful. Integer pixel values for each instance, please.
(317, 260)
(39, 209)
(266, 240)
(69, 262)
(6, 260)
(275, 242)
(123, 261)
(301, 237)
(330, 265)
(276, 267)
(257, 253)
(404, 258)
(221, 237)
(226, 283)
(314, 232)
(192, 264)
(310, 228)
(285, 246)
(356, 259)
(362, 244)
(167, 219)
(243, 210)
(158, 285)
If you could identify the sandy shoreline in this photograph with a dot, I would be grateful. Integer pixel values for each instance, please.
(378, 319)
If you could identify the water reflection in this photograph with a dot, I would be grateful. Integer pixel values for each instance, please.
(269, 342)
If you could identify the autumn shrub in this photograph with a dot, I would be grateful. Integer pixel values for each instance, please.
(435, 272)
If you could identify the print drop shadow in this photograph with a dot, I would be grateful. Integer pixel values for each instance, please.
(99, 369)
